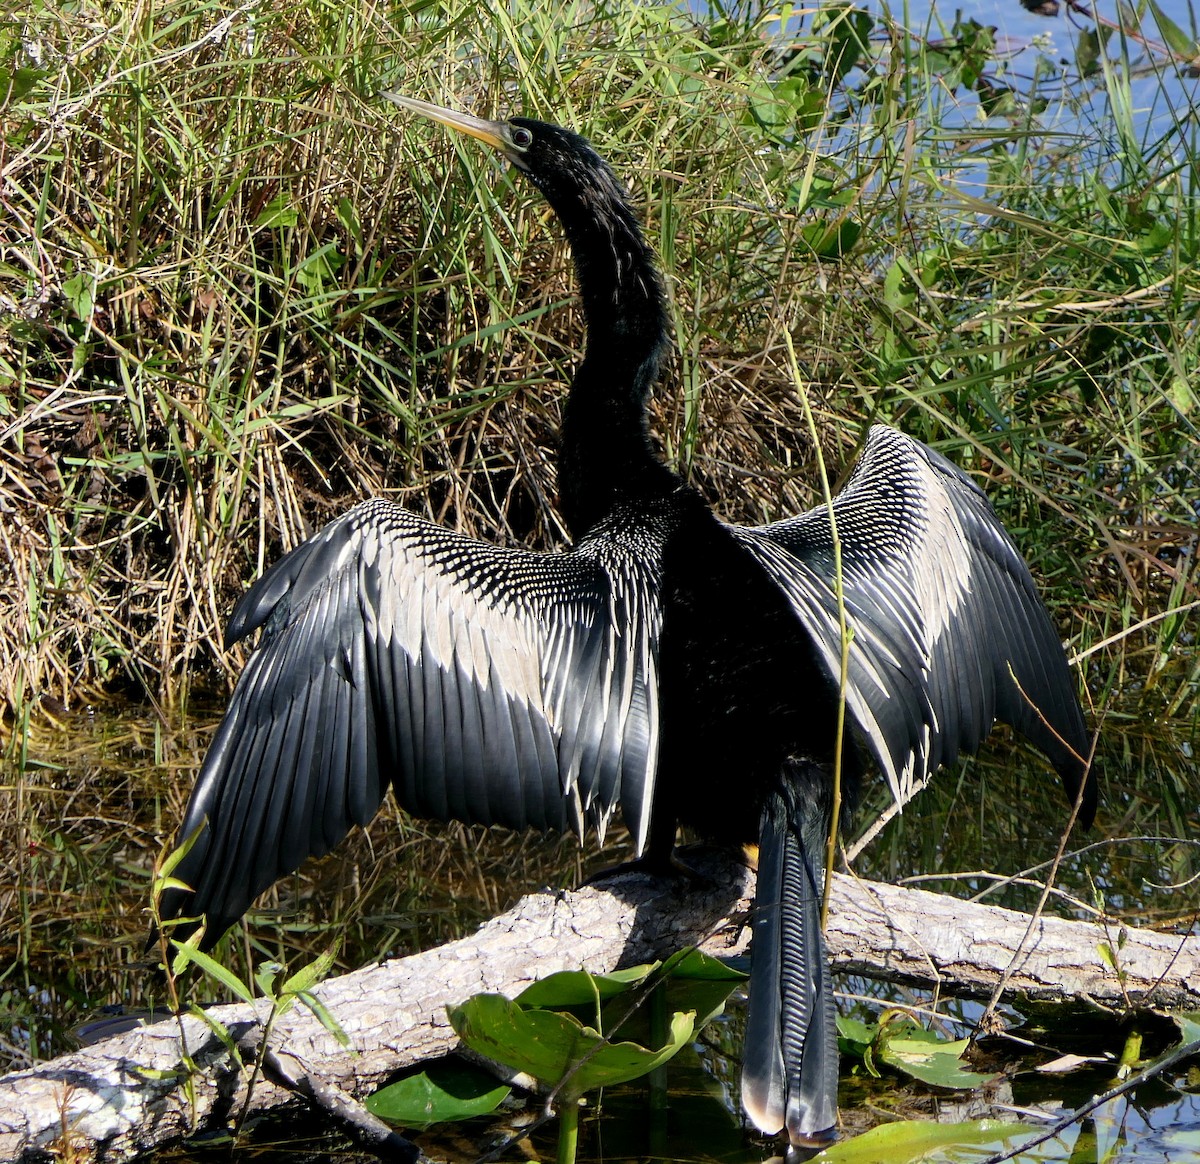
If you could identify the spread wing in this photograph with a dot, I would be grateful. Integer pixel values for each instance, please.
(486, 685)
(948, 631)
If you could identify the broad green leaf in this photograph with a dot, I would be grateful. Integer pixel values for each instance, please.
(831, 240)
(348, 217)
(690, 963)
(698, 982)
(318, 270)
(854, 1036)
(448, 1090)
(846, 32)
(15, 84)
(558, 1048)
(1089, 44)
(567, 988)
(686, 971)
(910, 1141)
(80, 290)
(899, 287)
(924, 1056)
(1188, 1022)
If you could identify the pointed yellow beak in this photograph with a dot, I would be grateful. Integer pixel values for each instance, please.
(491, 132)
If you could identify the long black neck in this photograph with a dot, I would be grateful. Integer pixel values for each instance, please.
(606, 455)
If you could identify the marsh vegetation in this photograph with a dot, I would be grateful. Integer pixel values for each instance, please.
(236, 295)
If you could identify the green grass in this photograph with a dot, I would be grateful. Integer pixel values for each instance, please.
(238, 292)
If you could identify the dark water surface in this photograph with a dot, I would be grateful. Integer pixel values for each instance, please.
(90, 805)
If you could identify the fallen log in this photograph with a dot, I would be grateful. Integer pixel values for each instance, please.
(124, 1095)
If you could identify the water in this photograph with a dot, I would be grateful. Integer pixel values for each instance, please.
(1041, 77)
(100, 793)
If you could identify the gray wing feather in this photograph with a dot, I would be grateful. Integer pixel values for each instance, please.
(943, 613)
(485, 685)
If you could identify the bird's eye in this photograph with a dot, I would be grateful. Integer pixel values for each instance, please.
(521, 137)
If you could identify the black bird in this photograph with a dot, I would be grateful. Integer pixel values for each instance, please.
(682, 668)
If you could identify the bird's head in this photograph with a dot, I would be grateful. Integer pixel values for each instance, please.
(556, 160)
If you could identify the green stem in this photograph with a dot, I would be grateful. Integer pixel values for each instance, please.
(844, 631)
(660, 1024)
(568, 1131)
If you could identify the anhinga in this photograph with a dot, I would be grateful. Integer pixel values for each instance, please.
(682, 668)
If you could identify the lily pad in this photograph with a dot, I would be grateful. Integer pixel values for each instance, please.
(555, 1047)
(923, 1055)
(570, 988)
(448, 1090)
(909, 1141)
(854, 1036)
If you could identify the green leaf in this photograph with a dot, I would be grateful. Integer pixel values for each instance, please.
(1089, 44)
(923, 1055)
(696, 964)
(80, 290)
(319, 269)
(831, 240)
(448, 1090)
(569, 988)
(1177, 40)
(325, 1017)
(278, 212)
(189, 954)
(697, 982)
(308, 976)
(15, 84)
(219, 1029)
(175, 856)
(162, 883)
(914, 1140)
(787, 106)
(694, 981)
(854, 1037)
(265, 977)
(899, 287)
(1188, 1022)
(845, 32)
(558, 1048)
(348, 217)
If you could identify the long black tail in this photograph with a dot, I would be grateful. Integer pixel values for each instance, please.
(790, 1065)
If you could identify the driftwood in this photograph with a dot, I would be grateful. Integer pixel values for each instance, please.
(123, 1096)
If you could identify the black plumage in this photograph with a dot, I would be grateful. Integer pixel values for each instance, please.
(681, 668)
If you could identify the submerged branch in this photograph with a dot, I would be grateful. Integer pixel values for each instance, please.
(126, 1093)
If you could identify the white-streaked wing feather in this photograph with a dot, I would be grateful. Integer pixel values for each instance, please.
(942, 610)
(485, 685)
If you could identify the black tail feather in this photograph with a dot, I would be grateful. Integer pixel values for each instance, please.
(790, 1068)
